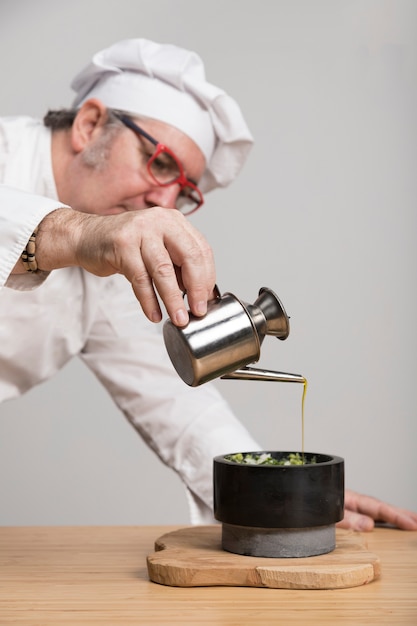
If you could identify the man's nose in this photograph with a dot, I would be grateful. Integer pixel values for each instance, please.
(163, 196)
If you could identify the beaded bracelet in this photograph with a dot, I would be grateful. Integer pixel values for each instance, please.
(28, 255)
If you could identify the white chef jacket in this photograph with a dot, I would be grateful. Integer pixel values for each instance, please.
(48, 318)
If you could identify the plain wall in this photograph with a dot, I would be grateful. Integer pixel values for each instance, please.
(323, 213)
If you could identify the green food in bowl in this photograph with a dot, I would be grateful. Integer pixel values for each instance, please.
(293, 458)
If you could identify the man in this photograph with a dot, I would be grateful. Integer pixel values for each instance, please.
(91, 194)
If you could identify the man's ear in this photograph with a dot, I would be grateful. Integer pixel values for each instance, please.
(88, 122)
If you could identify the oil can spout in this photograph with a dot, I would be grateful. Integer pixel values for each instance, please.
(254, 373)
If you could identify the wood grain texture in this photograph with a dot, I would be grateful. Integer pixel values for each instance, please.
(192, 557)
(97, 576)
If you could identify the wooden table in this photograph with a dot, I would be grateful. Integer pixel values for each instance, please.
(98, 575)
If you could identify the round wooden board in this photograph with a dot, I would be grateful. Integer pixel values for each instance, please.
(193, 557)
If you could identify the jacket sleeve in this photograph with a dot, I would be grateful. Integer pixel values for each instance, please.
(186, 427)
(20, 213)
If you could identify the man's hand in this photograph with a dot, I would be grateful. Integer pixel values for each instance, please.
(156, 249)
(362, 512)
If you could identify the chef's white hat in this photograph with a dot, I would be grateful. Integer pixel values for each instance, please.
(168, 83)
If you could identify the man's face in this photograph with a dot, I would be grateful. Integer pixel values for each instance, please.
(109, 174)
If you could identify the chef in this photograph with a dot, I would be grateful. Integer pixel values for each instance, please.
(92, 230)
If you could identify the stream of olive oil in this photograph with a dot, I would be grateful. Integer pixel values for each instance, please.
(302, 417)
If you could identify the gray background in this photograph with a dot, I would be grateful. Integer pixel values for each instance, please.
(323, 213)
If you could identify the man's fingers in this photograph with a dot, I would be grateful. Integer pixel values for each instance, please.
(179, 260)
(356, 521)
(169, 291)
(195, 267)
(158, 251)
(143, 289)
(361, 508)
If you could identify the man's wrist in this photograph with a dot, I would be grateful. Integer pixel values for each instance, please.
(55, 240)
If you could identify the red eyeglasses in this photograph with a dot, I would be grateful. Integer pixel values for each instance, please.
(165, 169)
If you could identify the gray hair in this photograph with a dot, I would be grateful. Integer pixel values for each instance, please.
(63, 118)
(96, 155)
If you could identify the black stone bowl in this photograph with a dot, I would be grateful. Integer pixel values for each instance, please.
(279, 496)
(255, 502)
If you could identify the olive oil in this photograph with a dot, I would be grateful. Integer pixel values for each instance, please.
(302, 416)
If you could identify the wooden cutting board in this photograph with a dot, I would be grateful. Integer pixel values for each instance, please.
(193, 557)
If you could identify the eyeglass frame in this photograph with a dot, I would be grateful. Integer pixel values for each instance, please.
(181, 180)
